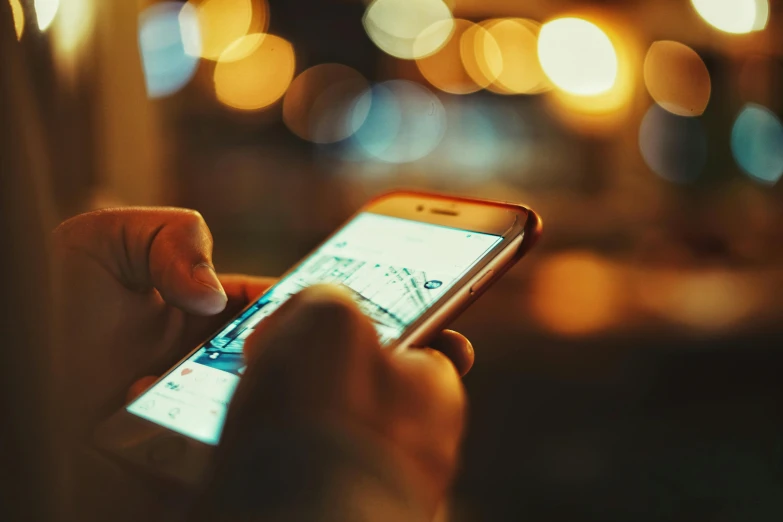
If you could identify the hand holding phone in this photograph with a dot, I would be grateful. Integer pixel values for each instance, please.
(320, 394)
(154, 331)
(117, 265)
(411, 263)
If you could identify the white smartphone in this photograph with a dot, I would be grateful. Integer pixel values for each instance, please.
(412, 261)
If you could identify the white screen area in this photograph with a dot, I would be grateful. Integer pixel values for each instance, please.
(394, 268)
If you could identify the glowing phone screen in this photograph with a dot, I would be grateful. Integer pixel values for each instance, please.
(395, 269)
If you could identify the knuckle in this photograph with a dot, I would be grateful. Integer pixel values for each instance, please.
(194, 222)
(192, 218)
(192, 215)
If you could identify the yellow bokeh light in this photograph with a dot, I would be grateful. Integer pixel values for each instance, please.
(241, 48)
(481, 56)
(446, 69)
(45, 11)
(408, 29)
(224, 23)
(259, 79)
(609, 111)
(18, 13)
(734, 16)
(577, 56)
(521, 71)
(73, 27)
(698, 299)
(321, 103)
(576, 293)
(677, 78)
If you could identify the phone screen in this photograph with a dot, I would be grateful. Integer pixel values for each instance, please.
(394, 268)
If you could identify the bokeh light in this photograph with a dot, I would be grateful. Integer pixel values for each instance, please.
(18, 13)
(734, 16)
(674, 147)
(710, 299)
(757, 143)
(677, 78)
(259, 79)
(72, 29)
(483, 140)
(45, 11)
(224, 22)
(163, 30)
(610, 111)
(576, 293)
(577, 56)
(517, 42)
(408, 29)
(446, 68)
(321, 104)
(481, 56)
(404, 122)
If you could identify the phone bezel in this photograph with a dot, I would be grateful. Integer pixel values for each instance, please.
(134, 438)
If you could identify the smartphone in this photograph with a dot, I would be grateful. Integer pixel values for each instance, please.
(412, 262)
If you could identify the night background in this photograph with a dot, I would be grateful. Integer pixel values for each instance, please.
(630, 367)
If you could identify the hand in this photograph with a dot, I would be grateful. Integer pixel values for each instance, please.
(316, 364)
(137, 291)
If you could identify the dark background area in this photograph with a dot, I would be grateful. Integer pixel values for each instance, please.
(629, 368)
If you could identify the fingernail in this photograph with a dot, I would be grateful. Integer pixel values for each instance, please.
(205, 274)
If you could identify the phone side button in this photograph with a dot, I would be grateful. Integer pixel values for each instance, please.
(481, 282)
(166, 450)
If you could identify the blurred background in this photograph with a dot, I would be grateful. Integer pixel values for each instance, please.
(630, 367)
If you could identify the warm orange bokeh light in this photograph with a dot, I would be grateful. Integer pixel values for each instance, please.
(320, 104)
(576, 293)
(71, 31)
(677, 78)
(224, 22)
(481, 56)
(699, 299)
(259, 79)
(18, 14)
(517, 42)
(607, 111)
(578, 56)
(446, 69)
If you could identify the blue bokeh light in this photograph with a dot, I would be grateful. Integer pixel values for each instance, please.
(168, 39)
(757, 143)
(398, 122)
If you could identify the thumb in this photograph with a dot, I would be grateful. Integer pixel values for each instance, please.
(315, 353)
(143, 248)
